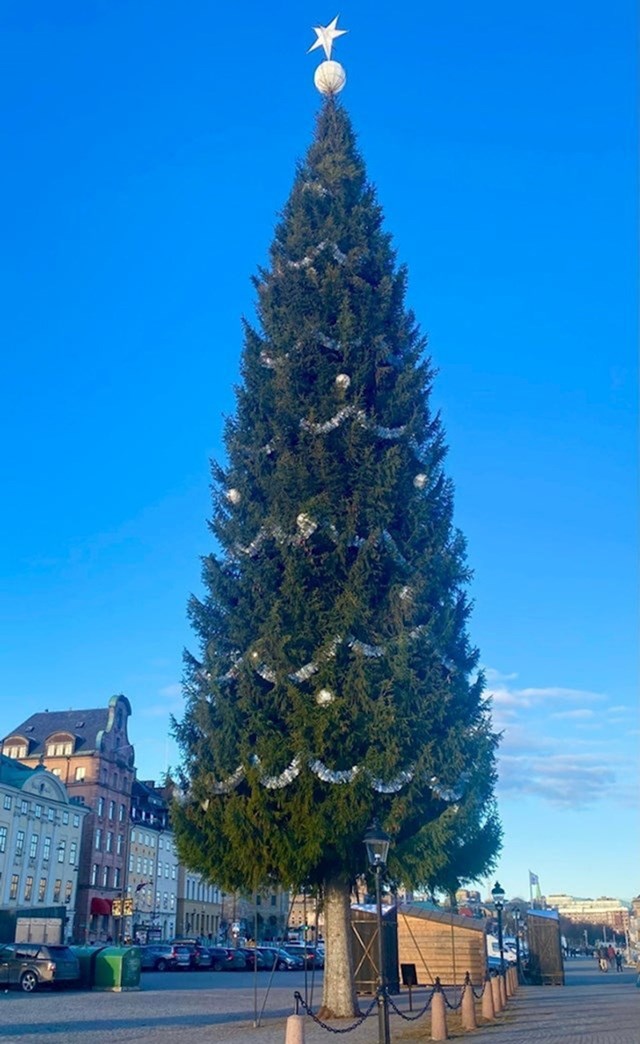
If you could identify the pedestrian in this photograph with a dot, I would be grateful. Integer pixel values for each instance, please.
(618, 961)
(611, 954)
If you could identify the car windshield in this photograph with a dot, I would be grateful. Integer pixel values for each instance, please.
(57, 953)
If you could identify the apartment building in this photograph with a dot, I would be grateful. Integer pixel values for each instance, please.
(90, 753)
(40, 834)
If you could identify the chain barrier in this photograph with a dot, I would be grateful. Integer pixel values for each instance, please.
(300, 1002)
(450, 1006)
(479, 995)
(437, 988)
(418, 1014)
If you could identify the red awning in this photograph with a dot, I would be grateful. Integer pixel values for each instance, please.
(101, 906)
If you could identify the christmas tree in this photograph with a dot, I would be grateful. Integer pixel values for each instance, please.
(335, 681)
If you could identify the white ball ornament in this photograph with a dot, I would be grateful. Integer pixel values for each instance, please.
(420, 481)
(324, 696)
(234, 496)
(330, 77)
(343, 381)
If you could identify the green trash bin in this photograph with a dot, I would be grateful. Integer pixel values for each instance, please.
(118, 968)
(87, 960)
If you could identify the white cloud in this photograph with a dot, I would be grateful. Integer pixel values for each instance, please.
(582, 712)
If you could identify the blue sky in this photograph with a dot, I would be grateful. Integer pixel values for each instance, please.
(148, 149)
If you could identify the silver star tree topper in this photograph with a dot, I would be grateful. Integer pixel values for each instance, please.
(330, 76)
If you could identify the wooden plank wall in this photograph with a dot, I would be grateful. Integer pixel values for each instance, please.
(441, 950)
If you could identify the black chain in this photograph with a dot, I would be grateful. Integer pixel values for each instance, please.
(481, 993)
(332, 1029)
(418, 1014)
(450, 1006)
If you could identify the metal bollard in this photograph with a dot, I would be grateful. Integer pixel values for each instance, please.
(468, 1007)
(294, 1033)
(438, 1015)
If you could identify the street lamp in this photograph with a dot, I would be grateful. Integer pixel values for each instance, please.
(498, 901)
(377, 843)
(516, 917)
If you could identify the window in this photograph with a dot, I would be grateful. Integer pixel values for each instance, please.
(76, 820)
(38, 811)
(16, 750)
(165, 900)
(33, 846)
(158, 899)
(94, 874)
(112, 809)
(65, 818)
(13, 893)
(115, 780)
(50, 815)
(116, 877)
(121, 814)
(28, 889)
(139, 864)
(153, 841)
(166, 869)
(73, 851)
(160, 843)
(173, 872)
(62, 847)
(55, 772)
(42, 889)
(146, 840)
(101, 806)
(56, 890)
(105, 876)
(119, 844)
(3, 839)
(144, 867)
(273, 900)
(80, 773)
(58, 749)
(68, 888)
(24, 807)
(172, 901)
(109, 841)
(7, 801)
(46, 848)
(98, 839)
(130, 864)
(20, 842)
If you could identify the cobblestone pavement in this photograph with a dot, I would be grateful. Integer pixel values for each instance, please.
(174, 1009)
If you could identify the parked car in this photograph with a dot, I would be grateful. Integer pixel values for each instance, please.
(253, 956)
(225, 959)
(30, 965)
(281, 959)
(192, 956)
(158, 957)
(307, 953)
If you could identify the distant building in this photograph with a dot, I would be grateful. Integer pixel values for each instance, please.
(199, 907)
(153, 866)
(40, 833)
(604, 911)
(89, 751)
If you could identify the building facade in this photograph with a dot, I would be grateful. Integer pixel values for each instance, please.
(607, 912)
(40, 835)
(90, 753)
(153, 867)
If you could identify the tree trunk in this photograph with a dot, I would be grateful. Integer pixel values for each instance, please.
(338, 995)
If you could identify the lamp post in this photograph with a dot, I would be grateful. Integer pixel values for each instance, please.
(498, 902)
(377, 842)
